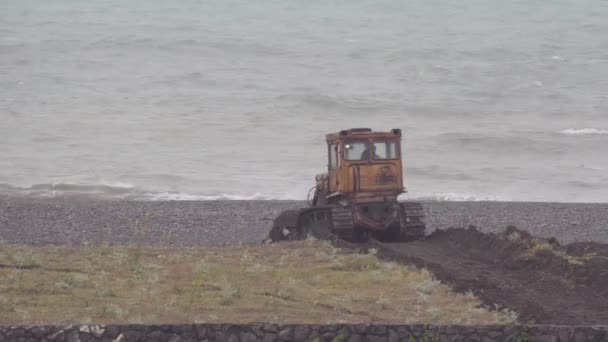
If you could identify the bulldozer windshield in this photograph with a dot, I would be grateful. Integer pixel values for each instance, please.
(359, 150)
(356, 150)
(385, 149)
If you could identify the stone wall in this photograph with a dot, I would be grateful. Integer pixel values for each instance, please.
(301, 332)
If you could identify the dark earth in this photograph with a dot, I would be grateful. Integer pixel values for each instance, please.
(563, 283)
(552, 284)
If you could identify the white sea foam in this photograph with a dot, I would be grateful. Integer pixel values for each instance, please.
(121, 190)
(113, 184)
(452, 196)
(583, 131)
(180, 196)
(177, 196)
(128, 192)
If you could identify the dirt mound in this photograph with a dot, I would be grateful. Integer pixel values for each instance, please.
(582, 248)
(539, 278)
(583, 263)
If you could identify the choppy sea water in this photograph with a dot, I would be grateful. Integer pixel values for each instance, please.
(498, 100)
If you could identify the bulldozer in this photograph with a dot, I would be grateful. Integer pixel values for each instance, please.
(356, 199)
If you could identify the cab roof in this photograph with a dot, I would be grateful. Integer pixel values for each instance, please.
(363, 133)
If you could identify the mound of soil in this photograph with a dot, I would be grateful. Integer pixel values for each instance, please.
(582, 248)
(542, 280)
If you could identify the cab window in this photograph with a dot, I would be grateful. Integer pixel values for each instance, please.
(333, 156)
(356, 150)
(385, 149)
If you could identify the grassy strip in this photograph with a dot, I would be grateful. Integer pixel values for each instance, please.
(297, 282)
(538, 246)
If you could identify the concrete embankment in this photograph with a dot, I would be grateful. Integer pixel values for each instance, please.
(273, 332)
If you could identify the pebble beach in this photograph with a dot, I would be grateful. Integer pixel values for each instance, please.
(77, 220)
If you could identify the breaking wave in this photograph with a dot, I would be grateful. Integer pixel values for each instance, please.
(111, 189)
(584, 131)
(126, 191)
(451, 196)
(118, 190)
(176, 196)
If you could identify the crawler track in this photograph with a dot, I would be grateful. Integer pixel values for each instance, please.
(502, 270)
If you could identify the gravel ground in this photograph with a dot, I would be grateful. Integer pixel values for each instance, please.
(76, 220)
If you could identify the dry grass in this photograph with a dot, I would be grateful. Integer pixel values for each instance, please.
(539, 246)
(303, 282)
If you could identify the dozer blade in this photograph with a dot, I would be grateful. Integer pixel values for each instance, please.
(300, 224)
(285, 226)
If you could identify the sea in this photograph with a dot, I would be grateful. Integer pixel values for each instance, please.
(231, 99)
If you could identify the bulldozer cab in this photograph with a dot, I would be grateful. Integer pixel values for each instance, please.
(364, 164)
